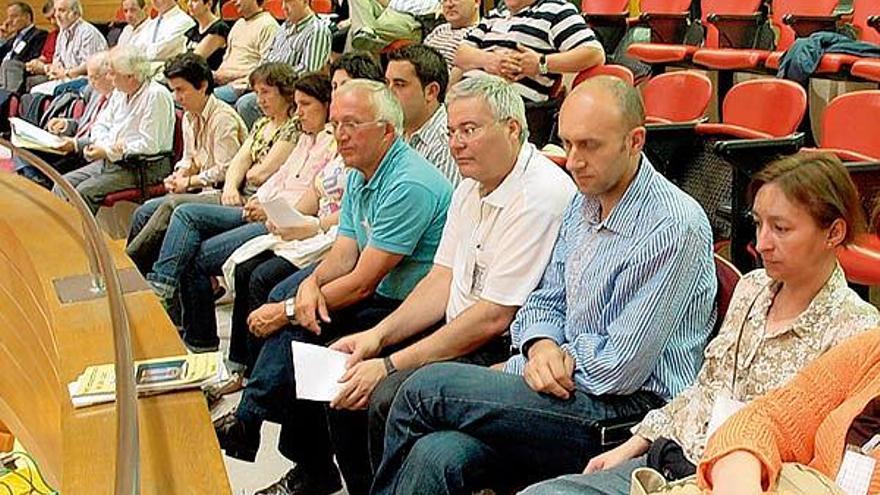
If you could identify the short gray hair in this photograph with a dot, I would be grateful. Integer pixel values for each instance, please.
(75, 6)
(127, 60)
(500, 95)
(385, 105)
(100, 61)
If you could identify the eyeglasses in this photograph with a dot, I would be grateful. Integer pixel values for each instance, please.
(469, 132)
(348, 126)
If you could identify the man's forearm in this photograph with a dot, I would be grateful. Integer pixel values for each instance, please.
(575, 60)
(475, 327)
(469, 57)
(425, 306)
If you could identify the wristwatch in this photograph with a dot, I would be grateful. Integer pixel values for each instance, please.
(389, 365)
(290, 309)
(542, 65)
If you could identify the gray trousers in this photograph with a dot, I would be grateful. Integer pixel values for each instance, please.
(99, 178)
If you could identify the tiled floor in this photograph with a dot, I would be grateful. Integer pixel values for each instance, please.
(245, 477)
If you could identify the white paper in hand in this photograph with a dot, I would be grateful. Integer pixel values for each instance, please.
(317, 371)
(282, 214)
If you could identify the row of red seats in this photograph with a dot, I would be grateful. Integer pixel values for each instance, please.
(731, 28)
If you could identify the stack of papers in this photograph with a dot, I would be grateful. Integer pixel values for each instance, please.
(28, 136)
(317, 371)
(279, 211)
(97, 384)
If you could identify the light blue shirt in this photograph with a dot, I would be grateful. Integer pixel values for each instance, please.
(631, 297)
(401, 210)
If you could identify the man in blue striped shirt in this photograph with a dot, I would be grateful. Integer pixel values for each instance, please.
(617, 325)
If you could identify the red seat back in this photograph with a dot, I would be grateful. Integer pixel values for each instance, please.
(850, 122)
(781, 8)
(177, 144)
(322, 6)
(275, 8)
(774, 106)
(740, 7)
(605, 6)
(229, 12)
(862, 9)
(13, 105)
(664, 6)
(618, 71)
(679, 96)
(728, 276)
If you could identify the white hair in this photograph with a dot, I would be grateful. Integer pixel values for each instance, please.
(385, 106)
(100, 62)
(74, 6)
(503, 100)
(127, 60)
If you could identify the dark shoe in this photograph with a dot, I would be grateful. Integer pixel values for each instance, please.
(239, 439)
(298, 481)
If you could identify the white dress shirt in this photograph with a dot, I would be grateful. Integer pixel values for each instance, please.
(130, 35)
(163, 37)
(143, 123)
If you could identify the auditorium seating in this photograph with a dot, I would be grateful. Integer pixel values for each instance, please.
(849, 127)
(617, 71)
(727, 23)
(608, 19)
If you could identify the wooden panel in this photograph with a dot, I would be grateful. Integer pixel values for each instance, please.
(76, 448)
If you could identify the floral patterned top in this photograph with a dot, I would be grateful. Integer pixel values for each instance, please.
(766, 361)
(261, 144)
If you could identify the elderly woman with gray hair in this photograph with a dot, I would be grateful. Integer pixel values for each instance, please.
(138, 119)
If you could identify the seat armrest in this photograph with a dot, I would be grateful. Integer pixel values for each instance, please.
(874, 22)
(615, 431)
(605, 19)
(139, 159)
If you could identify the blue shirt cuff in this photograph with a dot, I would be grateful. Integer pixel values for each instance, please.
(542, 331)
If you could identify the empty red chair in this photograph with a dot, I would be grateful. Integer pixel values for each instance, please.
(618, 71)
(608, 19)
(744, 58)
(680, 96)
(760, 109)
(714, 11)
(849, 127)
(869, 68)
(605, 7)
(861, 260)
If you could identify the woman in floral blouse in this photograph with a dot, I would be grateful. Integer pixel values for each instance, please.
(781, 318)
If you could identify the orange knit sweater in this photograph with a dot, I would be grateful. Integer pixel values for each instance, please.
(807, 420)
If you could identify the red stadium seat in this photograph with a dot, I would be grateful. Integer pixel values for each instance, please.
(728, 276)
(618, 71)
(607, 19)
(760, 109)
(738, 13)
(861, 260)
(868, 69)
(680, 96)
(229, 12)
(322, 6)
(849, 127)
(275, 8)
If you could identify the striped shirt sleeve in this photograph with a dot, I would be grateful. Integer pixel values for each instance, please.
(569, 30)
(316, 49)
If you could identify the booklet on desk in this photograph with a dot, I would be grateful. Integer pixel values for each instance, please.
(97, 384)
(28, 136)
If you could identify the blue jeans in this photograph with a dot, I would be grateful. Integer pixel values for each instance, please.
(227, 93)
(190, 225)
(196, 293)
(615, 481)
(457, 428)
(247, 107)
(305, 426)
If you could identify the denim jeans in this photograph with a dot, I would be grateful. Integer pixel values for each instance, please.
(227, 93)
(150, 221)
(196, 293)
(615, 481)
(254, 280)
(247, 107)
(456, 428)
(271, 391)
(190, 225)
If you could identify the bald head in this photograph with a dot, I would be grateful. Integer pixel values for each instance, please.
(613, 94)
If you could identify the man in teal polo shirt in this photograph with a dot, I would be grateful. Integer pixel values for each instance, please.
(390, 225)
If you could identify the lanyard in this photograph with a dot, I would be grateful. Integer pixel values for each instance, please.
(739, 336)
